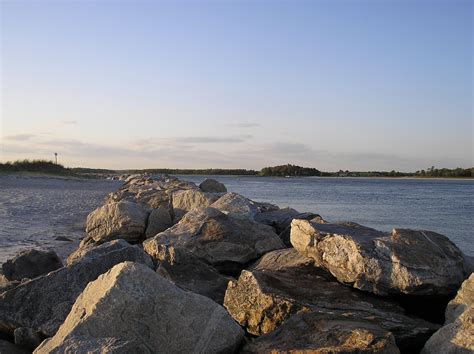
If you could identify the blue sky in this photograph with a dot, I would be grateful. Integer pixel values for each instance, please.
(330, 84)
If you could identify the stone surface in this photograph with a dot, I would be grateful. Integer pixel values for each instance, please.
(30, 264)
(158, 221)
(134, 308)
(239, 206)
(187, 200)
(125, 220)
(401, 262)
(188, 272)
(43, 303)
(6, 284)
(27, 338)
(284, 282)
(223, 241)
(10, 348)
(457, 335)
(212, 186)
(316, 333)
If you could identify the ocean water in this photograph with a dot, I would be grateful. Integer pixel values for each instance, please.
(35, 211)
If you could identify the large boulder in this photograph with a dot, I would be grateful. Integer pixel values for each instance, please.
(401, 262)
(457, 335)
(187, 271)
(223, 241)
(284, 282)
(158, 221)
(116, 220)
(30, 264)
(187, 200)
(43, 303)
(212, 186)
(239, 206)
(327, 333)
(138, 311)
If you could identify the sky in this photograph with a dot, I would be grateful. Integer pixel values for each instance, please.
(358, 85)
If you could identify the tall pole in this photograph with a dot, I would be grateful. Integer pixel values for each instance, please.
(56, 157)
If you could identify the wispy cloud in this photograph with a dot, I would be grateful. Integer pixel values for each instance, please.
(69, 122)
(244, 124)
(20, 137)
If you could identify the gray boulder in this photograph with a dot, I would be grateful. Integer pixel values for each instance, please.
(223, 241)
(125, 220)
(457, 334)
(136, 310)
(212, 186)
(325, 333)
(239, 206)
(43, 303)
(30, 264)
(158, 221)
(401, 262)
(187, 200)
(188, 272)
(283, 283)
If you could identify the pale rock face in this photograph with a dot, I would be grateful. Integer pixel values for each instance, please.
(30, 264)
(401, 262)
(187, 271)
(457, 335)
(212, 186)
(239, 206)
(223, 241)
(158, 221)
(284, 282)
(316, 333)
(116, 220)
(43, 303)
(187, 200)
(132, 309)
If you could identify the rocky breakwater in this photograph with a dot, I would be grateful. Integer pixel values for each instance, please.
(167, 266)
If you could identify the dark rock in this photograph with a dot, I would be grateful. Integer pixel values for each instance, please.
(30, 264)
(325, 333)
(212, 186)
(27, 338)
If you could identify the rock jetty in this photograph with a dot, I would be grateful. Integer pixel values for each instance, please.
(167, 266)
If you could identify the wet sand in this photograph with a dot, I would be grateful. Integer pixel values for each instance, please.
(36, 210)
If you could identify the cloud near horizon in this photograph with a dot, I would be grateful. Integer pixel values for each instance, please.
(200, 152)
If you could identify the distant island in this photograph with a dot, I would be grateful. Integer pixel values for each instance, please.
(288, 170)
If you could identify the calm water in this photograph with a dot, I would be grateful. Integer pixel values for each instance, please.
(34, 211)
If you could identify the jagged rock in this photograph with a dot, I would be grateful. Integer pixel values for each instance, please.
(238, 206)
(123, 219)
(27, 338)
(138, 311)
(284, 282)
(10, 348)
(401, 262)
(316, 333)
(223, 241)
(43, 303)
(186, 200)
(30, 264)
(187, 271)
(158, 221)
(212, 186)
(457, 335)
(281, 219)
